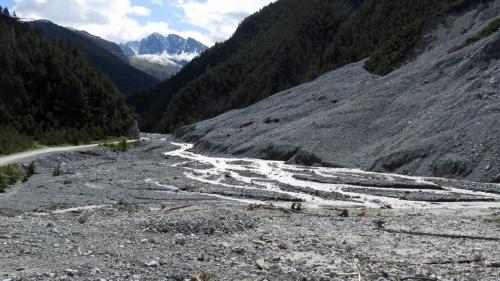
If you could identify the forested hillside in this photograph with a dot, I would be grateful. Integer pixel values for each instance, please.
(50, 94)
(128, 79)
(288, 43)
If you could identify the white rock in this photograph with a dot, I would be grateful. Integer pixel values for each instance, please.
(153, 264)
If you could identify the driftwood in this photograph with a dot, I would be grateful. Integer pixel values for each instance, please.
(443, 235)
(177, 208)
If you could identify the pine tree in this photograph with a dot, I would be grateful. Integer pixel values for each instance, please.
(6, 12)
(50, 94)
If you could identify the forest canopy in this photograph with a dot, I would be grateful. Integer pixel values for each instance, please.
(50, 94)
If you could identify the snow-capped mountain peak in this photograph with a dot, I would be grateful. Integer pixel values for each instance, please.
(171, 52)
(172, 45)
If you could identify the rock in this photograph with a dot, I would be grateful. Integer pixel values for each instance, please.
(179, 239)
(153, 264)
(450, 166)
(83, 218)
(496, 179)
(201, 257)
(239, 250)
(262, 264)
(71, 272)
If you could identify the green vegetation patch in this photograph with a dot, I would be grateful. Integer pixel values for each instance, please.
(50, 94)
(493, 27)
(11, 141)
(392, 53)
(10, 174)
(271, 120)
(122, 145)
(58, 171)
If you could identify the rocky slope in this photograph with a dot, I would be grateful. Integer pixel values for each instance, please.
(157, 66)
(438, 115)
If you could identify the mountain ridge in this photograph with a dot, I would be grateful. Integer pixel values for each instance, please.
(154, 53)
(51, 94)
(128, 79)
(156, 43)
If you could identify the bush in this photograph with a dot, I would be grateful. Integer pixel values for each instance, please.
(121, 146)
(11, 141)
(271, 120)
(57, 171)
(9, 175)
(32, 168)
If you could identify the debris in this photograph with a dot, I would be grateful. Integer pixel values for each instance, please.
(380, 223)
(444, 235)
(297, 207)
(344, 213)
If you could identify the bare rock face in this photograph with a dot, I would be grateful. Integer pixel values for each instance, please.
(133, 132)
(437, 115)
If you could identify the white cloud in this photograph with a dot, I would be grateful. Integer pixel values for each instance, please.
(116, 20)
(219, 17)
(110, 19)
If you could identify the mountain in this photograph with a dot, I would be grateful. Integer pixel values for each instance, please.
(111, 47)
(172, 46)
(101, 54)
(287, 43)
(157, 66)
(156, 53)
(438, 114)
(50, 94)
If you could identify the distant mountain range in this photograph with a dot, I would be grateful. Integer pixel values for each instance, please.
(162, 56)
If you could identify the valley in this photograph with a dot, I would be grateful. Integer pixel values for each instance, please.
(319, 140)
(163, 211)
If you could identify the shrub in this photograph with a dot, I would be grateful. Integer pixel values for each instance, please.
(10, 174)
(271, 120)
(57, 171)
(11, 141)
(32, 168)
(121, 146)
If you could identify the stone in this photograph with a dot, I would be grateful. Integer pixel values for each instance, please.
(153, 264)
(179, 239)
(71, 272)
(262, 264)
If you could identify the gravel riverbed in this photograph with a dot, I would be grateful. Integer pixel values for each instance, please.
(160, 212)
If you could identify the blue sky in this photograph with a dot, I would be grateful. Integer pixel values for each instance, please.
(208, 21)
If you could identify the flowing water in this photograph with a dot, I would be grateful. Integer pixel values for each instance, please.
(256, 175)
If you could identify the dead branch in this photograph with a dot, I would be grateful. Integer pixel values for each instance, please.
(443, 235)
